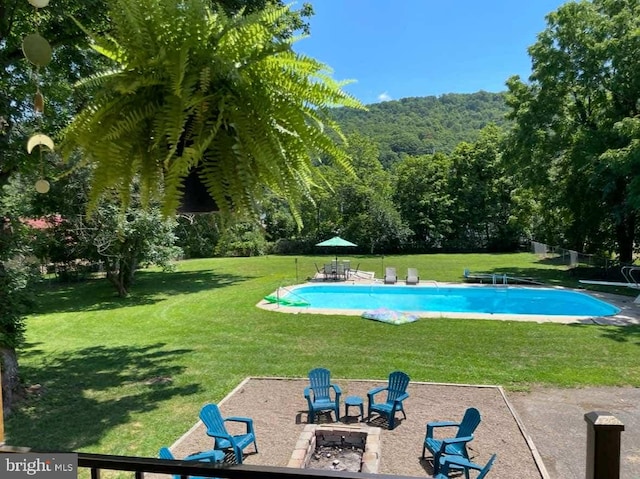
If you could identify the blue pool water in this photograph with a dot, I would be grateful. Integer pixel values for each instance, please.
(453, 299)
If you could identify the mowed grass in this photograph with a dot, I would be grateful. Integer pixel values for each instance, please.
(127, 376)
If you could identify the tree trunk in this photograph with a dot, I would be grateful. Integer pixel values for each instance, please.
(10, 377)
(625, 234)
(115, 278)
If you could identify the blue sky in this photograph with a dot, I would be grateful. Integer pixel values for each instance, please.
(409, 48)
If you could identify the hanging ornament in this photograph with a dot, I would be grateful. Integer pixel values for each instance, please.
(42, 186)
(37, 49)
(38, 102)
(39, 52)
(39, 139)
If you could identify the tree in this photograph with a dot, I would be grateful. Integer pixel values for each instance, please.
(481, 191)
(196, 92)
(16, 298)
(17, 86)
(127, 241)
(424, 198)
(572, 142)
(197, 235)
(359, 208)
(370, 217)
(242, 238)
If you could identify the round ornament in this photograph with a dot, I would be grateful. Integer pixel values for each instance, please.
(39, 3)
(42, 186)
(36, 49)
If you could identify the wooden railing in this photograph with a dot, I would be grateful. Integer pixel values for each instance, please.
(139, 466)
(603, 460)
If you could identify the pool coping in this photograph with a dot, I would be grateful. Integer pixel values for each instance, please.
(629, 310)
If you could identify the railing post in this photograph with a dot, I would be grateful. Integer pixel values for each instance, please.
(603, 445)
(1, 411)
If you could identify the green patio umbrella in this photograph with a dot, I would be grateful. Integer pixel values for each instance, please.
(336, 242)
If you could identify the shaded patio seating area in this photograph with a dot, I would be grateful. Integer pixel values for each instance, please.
(335, 271)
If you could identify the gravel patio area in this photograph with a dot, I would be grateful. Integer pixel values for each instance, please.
(279, 411)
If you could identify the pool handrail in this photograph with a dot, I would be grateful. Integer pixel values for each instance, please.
(627, 272)
(432, 281)
(495, 277)
(291, 292)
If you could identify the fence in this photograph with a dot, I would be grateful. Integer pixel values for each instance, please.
(570, 257)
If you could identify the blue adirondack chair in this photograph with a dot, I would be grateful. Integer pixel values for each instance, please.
(318, 393)
(396, 393)
(456, 463)
(215, 424)
(454, 446)
(207, 456)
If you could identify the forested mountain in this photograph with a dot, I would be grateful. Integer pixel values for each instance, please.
(416, 126)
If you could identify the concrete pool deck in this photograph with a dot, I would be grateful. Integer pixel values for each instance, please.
(629, 314)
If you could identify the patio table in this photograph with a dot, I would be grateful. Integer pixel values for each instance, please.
(354, 401)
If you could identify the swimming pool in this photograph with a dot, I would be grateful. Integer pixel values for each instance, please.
(449, 299)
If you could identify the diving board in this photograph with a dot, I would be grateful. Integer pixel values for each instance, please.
(610, 283)
(627, 272)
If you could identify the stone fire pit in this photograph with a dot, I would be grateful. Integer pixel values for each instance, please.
(355, 437)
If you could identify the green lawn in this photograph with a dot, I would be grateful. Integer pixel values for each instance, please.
(126, 376)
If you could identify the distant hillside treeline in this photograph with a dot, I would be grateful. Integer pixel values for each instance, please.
(423, 125)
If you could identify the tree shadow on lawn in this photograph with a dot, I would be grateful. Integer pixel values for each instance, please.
(150, 287)
(83, 394)
(619, 334)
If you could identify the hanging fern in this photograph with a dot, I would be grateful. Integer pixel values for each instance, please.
(196, 89)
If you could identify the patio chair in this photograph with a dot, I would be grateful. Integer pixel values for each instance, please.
(212, 455)
(396, 393)
(341, 272)
(455, 463)
(346, 268)
(329, 271)
(215, 424)
(318, 393)
(455, 446)
(207, 456)
(390, 276)
(412, 276)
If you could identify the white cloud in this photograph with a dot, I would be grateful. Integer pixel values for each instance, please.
(384, 96)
